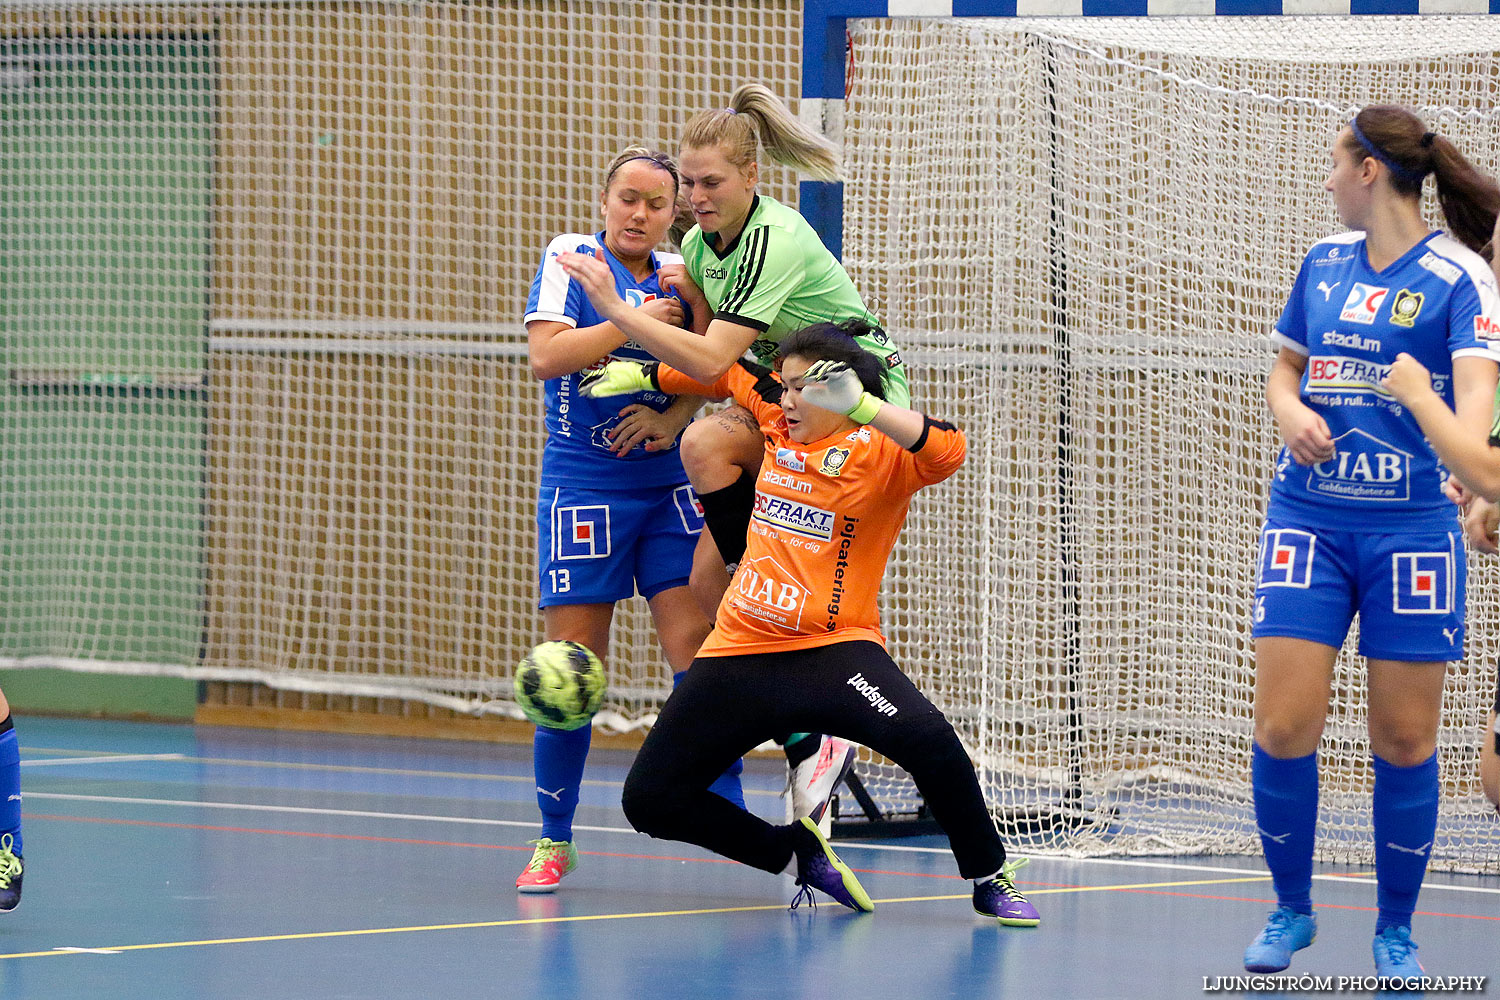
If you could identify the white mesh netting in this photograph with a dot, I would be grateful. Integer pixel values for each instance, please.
(268, 415)
(1081, 232)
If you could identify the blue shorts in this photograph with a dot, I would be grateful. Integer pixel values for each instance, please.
(1408, 590)
(601, 546)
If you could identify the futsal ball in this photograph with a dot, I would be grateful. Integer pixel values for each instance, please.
(559, 685)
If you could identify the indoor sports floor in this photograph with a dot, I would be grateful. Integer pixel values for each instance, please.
(172, 862)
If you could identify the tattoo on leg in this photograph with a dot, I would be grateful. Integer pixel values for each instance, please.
(736, 416)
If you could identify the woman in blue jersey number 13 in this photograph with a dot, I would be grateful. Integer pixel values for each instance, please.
(615, 512)
(1358, 522)
(762, 272)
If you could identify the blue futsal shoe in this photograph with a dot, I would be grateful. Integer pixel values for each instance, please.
(819, 868)
(1286, 931)
(1396, 953)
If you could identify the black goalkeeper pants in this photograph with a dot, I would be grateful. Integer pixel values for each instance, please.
(728, 705)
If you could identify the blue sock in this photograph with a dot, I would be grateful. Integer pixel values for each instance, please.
(727, 785)
(557, 757)
(1406, 806)
(1286, 814)
(10, 783)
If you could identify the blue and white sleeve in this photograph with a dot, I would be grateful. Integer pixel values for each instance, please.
(555, 296)
(1291, 329)
(1474, 316)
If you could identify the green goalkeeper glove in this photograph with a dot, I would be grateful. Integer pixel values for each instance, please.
(832, 385)
(618, 378)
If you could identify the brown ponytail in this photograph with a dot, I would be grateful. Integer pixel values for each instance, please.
(1470, 199)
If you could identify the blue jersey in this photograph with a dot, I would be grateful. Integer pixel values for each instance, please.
(1437, 303)
(577, 450)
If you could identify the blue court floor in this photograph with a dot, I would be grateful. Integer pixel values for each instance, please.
(172, 862)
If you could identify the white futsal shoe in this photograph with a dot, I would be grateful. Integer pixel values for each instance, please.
(812, 782)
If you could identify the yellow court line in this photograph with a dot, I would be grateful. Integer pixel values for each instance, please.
(399, 930)
(310, 935)
(1090, 888)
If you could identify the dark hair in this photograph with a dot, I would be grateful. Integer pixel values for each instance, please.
(835, 342)
(1396, 137)
(682, 219)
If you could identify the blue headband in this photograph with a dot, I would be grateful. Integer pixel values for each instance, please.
(1404, 173)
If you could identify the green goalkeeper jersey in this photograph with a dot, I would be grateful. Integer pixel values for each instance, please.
(776, 277)
(1495, 421)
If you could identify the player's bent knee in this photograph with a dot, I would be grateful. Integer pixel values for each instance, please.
(698, 450)
(650, 806)
(712, 445)
(639, 805)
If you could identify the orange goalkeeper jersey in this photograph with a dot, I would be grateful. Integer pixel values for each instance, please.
(826, 516)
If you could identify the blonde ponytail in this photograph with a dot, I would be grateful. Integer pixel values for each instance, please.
(755, 114)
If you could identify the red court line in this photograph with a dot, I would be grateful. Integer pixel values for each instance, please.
(665, 857)
(314, 835)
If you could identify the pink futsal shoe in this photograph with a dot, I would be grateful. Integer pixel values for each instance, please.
(813, 781)
(551, 860)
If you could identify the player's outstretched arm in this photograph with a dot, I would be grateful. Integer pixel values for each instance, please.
(1459, 438)
(704, 358)
(620, 377)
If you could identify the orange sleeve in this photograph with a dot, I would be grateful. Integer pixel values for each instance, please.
(675, 383)
(936, 455)
(752, 386)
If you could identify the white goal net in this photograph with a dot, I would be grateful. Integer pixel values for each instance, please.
(1081, 232)
(267, 415)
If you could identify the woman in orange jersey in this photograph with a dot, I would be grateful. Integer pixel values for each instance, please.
(797, 644)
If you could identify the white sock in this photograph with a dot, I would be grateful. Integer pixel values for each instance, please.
(988, 878)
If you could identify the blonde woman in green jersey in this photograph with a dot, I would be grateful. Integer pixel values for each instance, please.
(761, 271)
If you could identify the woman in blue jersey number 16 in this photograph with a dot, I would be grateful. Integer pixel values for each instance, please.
(761, 272)
(615, 512)
(1358, 522)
